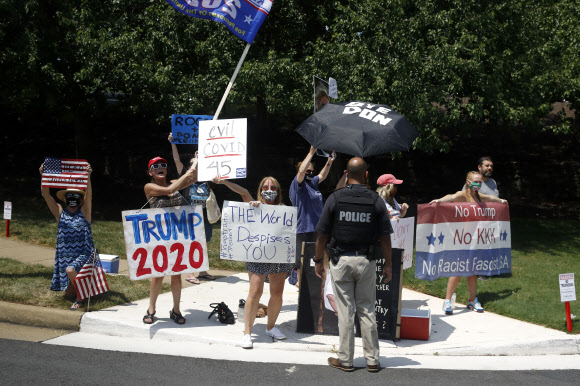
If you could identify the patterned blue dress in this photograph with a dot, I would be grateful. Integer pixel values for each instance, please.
(74, 246)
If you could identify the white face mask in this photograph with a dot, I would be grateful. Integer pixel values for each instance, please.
(269, 195)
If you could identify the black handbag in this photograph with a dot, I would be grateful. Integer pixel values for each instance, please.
(224, 313)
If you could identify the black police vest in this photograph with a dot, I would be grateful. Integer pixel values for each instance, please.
(355, 218)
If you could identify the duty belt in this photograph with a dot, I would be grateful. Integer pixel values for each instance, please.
(358, 252)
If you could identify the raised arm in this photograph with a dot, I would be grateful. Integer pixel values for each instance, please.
(54, 207)
(342, 182)
(87, 207)
(304, 165)
(176, 159)
(246, 196)
(324, 172)
(153, 190)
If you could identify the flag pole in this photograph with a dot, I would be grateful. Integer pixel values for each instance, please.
(232, 80)
(92, 281)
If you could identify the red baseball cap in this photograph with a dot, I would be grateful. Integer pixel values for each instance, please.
(386, 179)
(155, 160)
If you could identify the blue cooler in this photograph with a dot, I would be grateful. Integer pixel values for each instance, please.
(110, 263)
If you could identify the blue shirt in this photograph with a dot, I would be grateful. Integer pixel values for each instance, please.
(308, 199)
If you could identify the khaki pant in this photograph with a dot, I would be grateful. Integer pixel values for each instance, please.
(353, 280)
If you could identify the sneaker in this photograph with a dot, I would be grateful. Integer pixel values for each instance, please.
(373, 368)
(293, 279)
(475, 305)
(247, 341)
(447, 307)
(334, 362)
(275, 333)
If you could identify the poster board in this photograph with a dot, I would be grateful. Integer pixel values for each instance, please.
(263, 234)
(185, 128)
(7, 210)
(222, 149)
(567, 287)
(165, 241)
(402, 237)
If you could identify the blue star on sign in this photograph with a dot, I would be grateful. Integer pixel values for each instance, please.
(431, 239)
(441, 237)
(504, 235)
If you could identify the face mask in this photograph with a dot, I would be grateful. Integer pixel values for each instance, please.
(269, 195)
(308, 177)
(475, 186)
(73, 202)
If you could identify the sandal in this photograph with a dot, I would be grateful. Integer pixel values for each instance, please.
(177, 318)
(76, 305)
(206, 276)
(193, 280)
(149, 317)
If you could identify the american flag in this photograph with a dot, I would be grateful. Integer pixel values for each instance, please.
(65, 173)
(91, 279)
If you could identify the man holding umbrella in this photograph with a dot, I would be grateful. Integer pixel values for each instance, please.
(353, 220)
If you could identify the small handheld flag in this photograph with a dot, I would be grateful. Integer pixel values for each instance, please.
(64, 173)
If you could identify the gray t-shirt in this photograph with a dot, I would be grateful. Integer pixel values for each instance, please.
(488, 187)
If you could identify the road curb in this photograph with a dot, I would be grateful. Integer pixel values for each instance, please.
(40, 316)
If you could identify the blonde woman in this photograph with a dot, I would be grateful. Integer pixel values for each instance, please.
(387, 190)
(471, 193)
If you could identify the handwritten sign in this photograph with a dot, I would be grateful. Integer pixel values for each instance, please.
(7, 210)
(165, 241)
(266, 234)
(222, 149)
(402, 238)
(332, 88)
(567, 288)
(462, 239)
(185, 128)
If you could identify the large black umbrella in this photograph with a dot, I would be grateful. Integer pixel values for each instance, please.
(358, 128)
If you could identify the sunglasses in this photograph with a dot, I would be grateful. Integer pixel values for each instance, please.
(157, 166)
(309, 172)
(75, 196)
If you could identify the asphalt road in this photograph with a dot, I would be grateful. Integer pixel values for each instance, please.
(23, 362)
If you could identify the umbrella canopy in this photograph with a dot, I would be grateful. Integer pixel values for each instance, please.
(358, 128)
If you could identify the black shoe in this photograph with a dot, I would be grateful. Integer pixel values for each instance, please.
(373, 368)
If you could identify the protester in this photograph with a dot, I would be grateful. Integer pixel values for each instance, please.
(471, 193)
(356, 218)
(161, 194)
(74, 238)
(269, 192)
(306, 197)
(196, 194)
(387, 190)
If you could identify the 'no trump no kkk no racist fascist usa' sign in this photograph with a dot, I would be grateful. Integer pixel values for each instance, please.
(266, 234)
(242, 17)
(165, 241)
(462, 239)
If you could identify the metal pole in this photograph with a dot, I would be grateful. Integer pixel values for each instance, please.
(232, 80)
(7, 228)
(568, 317)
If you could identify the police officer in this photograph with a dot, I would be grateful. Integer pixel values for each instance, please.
(354, 218)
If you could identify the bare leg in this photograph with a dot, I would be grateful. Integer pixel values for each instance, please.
(277, 281)
(71, 273)
(176, 292)
(472, 287)
(452, 286)
(252, 303)
(154, 289)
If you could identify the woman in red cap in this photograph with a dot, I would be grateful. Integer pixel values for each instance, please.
(387, 190)
(161, 194)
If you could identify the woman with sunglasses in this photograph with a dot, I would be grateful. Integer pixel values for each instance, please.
(161, 194)
(74, 238)
(268, 193)
(306, 197)
(471, 193)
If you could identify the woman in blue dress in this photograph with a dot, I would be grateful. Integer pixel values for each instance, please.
(74, 239)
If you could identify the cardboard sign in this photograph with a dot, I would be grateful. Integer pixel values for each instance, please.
(266, 234)
(462, 239)
(332, 88)
(567, 288)
(402, 238)
(165, 241)
(222, 149)
(185, 128)
(7, 210)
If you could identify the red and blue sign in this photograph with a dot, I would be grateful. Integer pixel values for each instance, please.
(242, 17)
(462, 239)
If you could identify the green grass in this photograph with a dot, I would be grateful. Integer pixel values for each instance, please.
(30, 284)
(541, 250)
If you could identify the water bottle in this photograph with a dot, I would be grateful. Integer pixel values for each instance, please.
(241, 309)
(453, 300)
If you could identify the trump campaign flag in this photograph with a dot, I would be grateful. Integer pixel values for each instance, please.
(242, 17)
(462, 239)
(91, 279)
(64, 173)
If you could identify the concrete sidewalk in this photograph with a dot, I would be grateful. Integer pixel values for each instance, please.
(466, 333)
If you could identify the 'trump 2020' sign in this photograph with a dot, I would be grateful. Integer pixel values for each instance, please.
(165, 241)
(462, 239)
(266, 234)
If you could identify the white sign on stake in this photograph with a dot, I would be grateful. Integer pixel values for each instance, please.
(567, 288)
(222, 149)
(7, 210)
(402, 237)
(266, 234)
(332, 88)
(165, 241)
